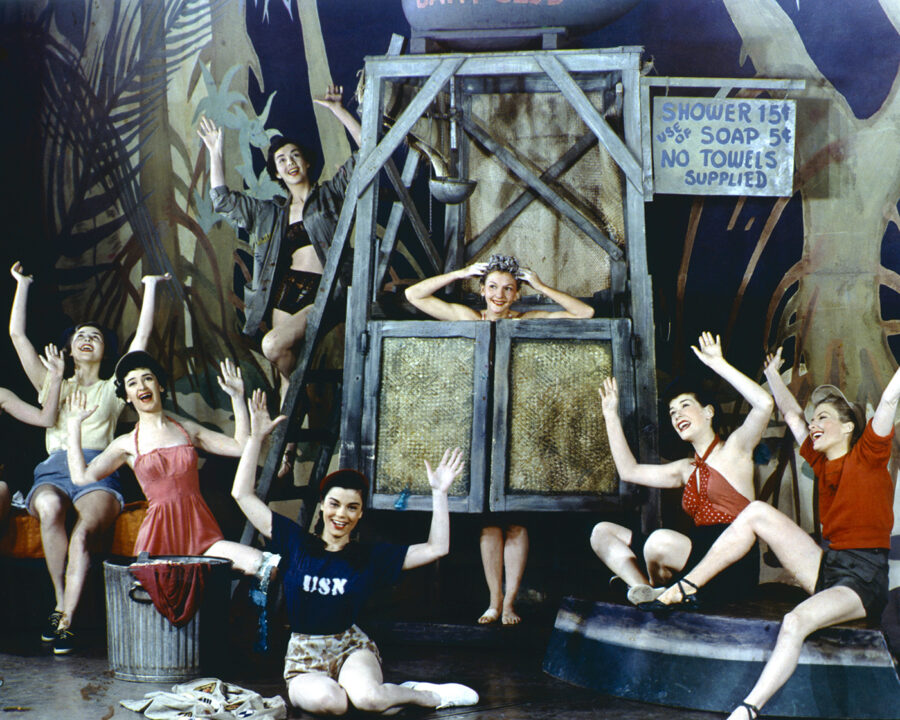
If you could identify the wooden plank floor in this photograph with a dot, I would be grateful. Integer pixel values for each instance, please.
(510, 681)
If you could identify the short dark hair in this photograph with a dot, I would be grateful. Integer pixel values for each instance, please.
(347, 479)
(278, 142)
(135, 360)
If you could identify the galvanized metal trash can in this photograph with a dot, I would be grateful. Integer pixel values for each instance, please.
(144, 646)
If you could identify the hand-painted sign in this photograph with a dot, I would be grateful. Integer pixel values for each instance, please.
(723, 146)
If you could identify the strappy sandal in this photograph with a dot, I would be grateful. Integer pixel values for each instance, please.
(690, 603)
(752, 710)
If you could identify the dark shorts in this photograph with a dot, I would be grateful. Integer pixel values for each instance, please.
(734, 583)
(865, 572)
(297, 290)
(324, 653)
(55, 471)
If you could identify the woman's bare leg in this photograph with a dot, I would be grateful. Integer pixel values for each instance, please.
(515, 555)
(318, 694)
(796, 551)
(829, 607)
(5, 501)
(666, 552)
(612, 544)
(279, 345)
(492, 561)
(362, 680)
(97, 511)
(50, 506)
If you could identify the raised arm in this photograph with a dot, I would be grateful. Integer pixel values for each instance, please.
(28, 356)
(213, 139)
(747, 436)
(216, 442)
(243, 490)
(438, 543)
(232, 382)
(574, 308)
(148, 310)
(883, 419)
(44, 416)
(666, 475)
(421, 295)
(332, 100)
(784, 399)
(107, 462)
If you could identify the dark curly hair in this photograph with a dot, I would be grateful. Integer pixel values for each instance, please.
(278, 142)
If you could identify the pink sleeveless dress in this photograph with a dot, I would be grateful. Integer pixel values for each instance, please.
(178, 520)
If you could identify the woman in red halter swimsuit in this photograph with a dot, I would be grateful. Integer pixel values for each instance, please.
(162, 453)
(717, 482)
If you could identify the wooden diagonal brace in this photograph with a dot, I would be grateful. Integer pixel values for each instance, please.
(373, 162)
(523, 200)
(575, 95)
(550, 196)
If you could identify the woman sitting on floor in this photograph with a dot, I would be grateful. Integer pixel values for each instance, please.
(331, 664)
(503, 547)
(162, 452)
(717, 482)
(848, 580)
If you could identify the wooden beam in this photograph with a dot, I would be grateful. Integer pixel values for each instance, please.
(374, 160)
(560, 204)
(523, 200)
(583, 106)
(415, 220)
(741, 83)
(389, 241)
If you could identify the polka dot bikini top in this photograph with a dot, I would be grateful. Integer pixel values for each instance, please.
(708, 497)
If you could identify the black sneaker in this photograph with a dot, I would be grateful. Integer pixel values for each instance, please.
(64, 643)
(48, 634)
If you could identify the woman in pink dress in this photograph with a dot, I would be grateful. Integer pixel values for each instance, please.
(162, 452)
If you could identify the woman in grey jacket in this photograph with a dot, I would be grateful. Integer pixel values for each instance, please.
(289, 237)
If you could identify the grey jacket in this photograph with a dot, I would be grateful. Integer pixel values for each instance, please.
(267, 220)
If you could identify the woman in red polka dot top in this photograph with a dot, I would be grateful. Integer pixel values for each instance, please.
(717, 482)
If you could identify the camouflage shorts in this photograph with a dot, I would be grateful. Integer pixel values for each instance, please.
(324, 653)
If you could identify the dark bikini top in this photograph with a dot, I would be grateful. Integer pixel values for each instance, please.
(296, 237)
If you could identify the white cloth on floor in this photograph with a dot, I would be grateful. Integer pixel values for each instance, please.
(208, 698)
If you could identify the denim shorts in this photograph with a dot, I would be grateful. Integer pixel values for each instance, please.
(324, 653)
(55, 471)
(864, 571)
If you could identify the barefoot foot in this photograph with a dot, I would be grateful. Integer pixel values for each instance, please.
(510, 617)
(491, 615)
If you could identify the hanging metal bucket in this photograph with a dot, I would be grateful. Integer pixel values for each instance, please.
(144, 646)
